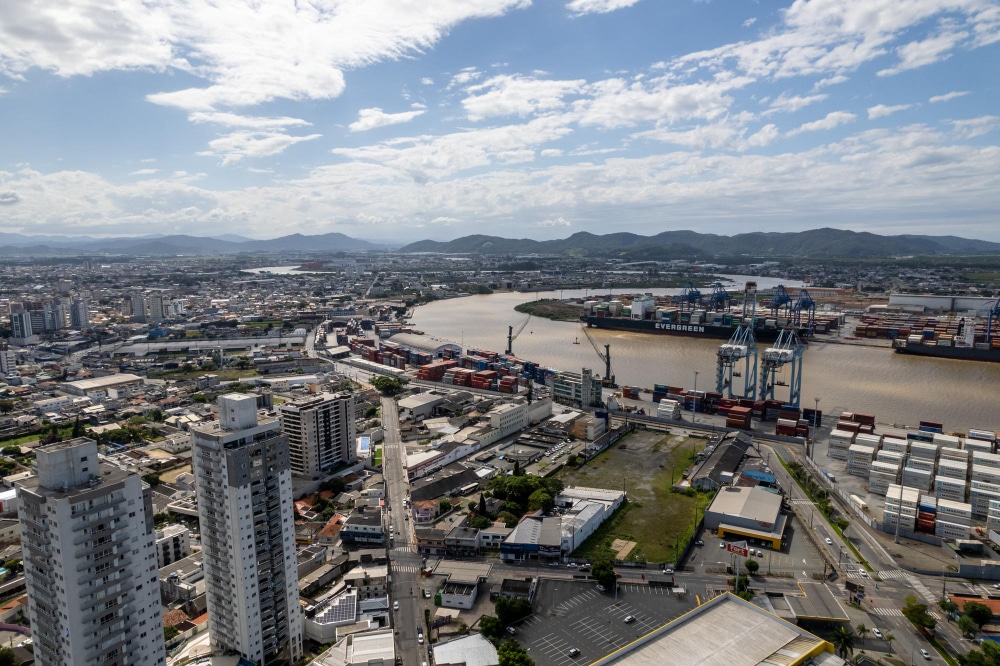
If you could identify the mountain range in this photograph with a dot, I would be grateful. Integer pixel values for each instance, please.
(12, 244)
(816, 243)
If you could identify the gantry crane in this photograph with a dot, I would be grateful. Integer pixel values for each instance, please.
(786, 352)
(719, 299)
(750, 301)
(804, 304)
(609, 376)
(511, 335)
(994, 315)
(738, 358)
(689, 298)
(781, 303)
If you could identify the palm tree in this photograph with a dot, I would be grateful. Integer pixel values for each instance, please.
(889, 638)
(843, 641)
(862, 631)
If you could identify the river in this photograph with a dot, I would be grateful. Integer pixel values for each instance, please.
(898, 389)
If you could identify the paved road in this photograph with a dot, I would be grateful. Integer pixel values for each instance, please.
(404, 562)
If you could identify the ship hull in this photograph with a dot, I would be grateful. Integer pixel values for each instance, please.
(958, 353)
(688, 330)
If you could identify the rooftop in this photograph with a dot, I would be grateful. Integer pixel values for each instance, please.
(472, 650)
(748, 503)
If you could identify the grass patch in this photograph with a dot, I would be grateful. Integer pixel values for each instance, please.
(551, 308)
(658, 519)
(221, 374)
(941, 651)
(377, 458)
(64, 433)
(983, 277)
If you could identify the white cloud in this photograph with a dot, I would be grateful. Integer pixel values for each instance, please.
(829, 81)
(581, 7)
(427, 81)
(3, 91)
(973, 127)
(831, 120)
(551, 152)
(786, 104)
(447, 221)
(556, 222)
(250, 122)
(144, 172)
(507, 95)
(749, 22)
(948, 96)
(925, 52)
(9, 198)
(881, 110)
(466, 75)
(235, 146)
(247, 53)
(375, 117)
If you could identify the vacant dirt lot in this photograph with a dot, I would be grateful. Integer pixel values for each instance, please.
(656, 518)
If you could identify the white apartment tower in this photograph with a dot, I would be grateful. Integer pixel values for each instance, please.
(321, 433)
(8, 360)
(157, 312)
(79, 314)
(244, 486)
(89, 561)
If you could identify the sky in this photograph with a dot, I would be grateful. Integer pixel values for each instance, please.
(399, 120)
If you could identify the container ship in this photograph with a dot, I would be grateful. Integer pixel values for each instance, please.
(929, 343)
(647, 314)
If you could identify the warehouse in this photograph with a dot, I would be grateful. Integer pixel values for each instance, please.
(426, 344)
(752, 637)
(754, 513)
(722, 463)
(99, 388)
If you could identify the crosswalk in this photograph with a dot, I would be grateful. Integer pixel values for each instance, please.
(403, 549)
(895, 612)
(406, 568)
(885, 574)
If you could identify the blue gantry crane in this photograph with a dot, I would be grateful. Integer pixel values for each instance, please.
(787, 354)
(781, 303)
(719, 299)
(689, 298)
(750, 301)
(738, 359)
(994, 315)
(804, 305)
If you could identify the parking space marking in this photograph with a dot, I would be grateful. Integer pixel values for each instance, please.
(552, 645)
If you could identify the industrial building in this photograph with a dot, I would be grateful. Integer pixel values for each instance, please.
(752, 637)
(719, 467)
(754, 513)
(99, 388)
(426, 344)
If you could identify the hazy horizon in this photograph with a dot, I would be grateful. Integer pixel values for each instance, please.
(446, 118)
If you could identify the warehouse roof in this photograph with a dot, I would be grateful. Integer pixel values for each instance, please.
(97, 383)
(423, 343)
(748, 503)
(753, 637)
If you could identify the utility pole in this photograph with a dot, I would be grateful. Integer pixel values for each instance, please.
(899, 507)
(694, 400)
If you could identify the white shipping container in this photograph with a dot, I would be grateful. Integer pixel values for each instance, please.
(950, 530)
(947, 440)
(895, 445)
(868, 440)
(984, 435)
(923, 450)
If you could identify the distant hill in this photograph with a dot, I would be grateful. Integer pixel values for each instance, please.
(19, 244)
(818, 243)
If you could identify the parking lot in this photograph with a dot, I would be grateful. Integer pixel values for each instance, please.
(574, 614)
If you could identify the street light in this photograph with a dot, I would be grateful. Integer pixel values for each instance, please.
(811, 450)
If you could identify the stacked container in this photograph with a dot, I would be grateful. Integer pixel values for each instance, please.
(839, 443)
(739, 417)
(901, 507)
(884, 473)
(953, 519)
(926, 514)
(859, 460)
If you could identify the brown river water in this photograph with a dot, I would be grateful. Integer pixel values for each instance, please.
(898, 389)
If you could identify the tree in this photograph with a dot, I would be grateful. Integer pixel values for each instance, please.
(7, 657)
(170, 632)
(157, 416)
(603, 571)
(200, 397)
(78, 429)
(862, 631)
(388, 386)
(889, 638)
(510, 611)
(480, 522)
(335, 485)
(917, 614)
(482, 504)
(947, 605)
(517, 468)
(978, 613)
(512, 654)
(541, 500)
(11, 450)
(509, 519)
(967, 626)
(6, 406)
(371, 412)
(472, 507)
(444, 506)
(977, 657)
(152, 479)
(843, 641)
(752, 566)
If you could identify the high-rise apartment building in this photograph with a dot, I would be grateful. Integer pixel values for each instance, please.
(79, 314)
(22, 330)
(156, 310)
(244, 487)
(89, 561)
(320, 431)
(8, 360)
(136, 307)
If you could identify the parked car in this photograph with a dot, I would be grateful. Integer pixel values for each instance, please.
(722, 544)
(629, 619)
(600, 588)
(427, 594)
(511, 630)
(395, 605)
(668, 572)
(573, 652)
(699, 542)
(420, 639)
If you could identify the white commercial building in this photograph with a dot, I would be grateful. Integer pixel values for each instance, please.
(244, 488)
(173, 543)
(89, 560)
(321, 433)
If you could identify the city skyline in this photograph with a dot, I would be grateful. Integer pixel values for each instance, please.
(506, 117)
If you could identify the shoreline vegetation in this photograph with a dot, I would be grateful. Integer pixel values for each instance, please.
(551, 308)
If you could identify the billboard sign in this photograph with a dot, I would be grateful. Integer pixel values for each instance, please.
(742, 551)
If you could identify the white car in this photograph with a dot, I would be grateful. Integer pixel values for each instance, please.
(667, 572)
(829, 541)
(395, 605)
(926, 655)
(876, 632)
(864, 574)
(420, 638)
